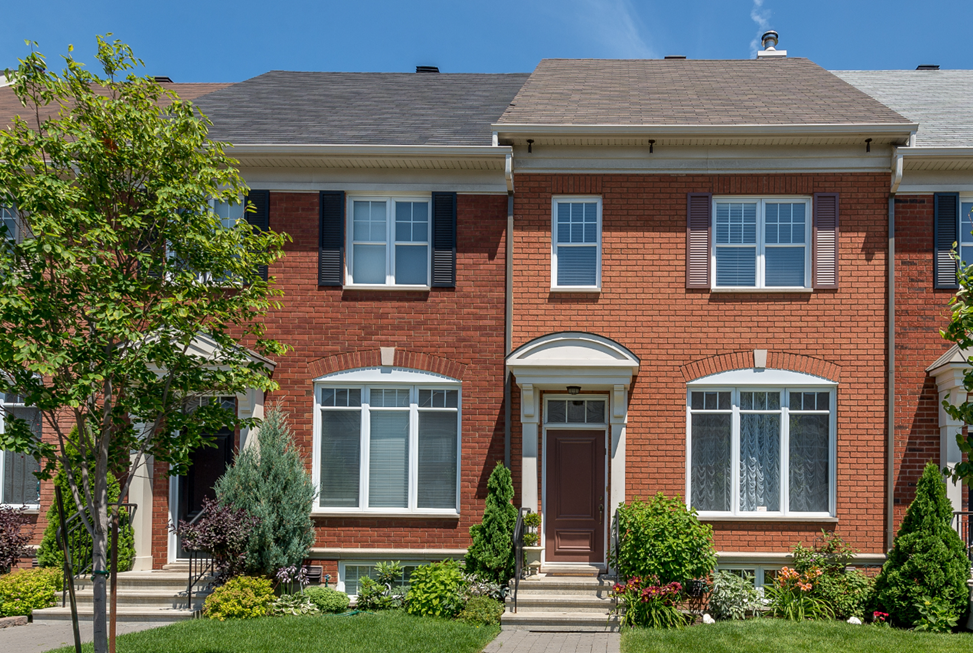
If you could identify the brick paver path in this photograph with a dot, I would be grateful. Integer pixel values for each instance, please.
(524, 641)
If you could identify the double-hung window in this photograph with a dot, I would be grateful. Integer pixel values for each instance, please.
(388, 446)
(966, 230)
(228, 213)
(576, 243)
(18, 485)
(761, 452)
(389, 241)
(762, 243)
(10, 220)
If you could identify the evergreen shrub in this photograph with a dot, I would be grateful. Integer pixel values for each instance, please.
(243, 597)
(491, 554)
(270, 482)
(435, 590)
(328, 599)
(663, 538)
(928, 559)
(26, 590)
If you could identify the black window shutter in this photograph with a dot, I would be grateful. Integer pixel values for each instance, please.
(824, 264)
(331, 238)
(259, 219)
(946, 223)
(443, 240)
(698, 216)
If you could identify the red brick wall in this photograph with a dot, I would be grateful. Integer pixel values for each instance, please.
(444, 330)
(920, 312)
(645, 306)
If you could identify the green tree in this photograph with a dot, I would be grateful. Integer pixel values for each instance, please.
(270, 481)
(928, 558)
(491, 552)
(125, 270)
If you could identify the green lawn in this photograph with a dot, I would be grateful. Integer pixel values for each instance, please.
(383, 632)
(779, 636)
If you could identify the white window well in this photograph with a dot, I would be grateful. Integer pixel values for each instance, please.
(761, 451)
(18, 485)
(387, 442)
(761, 243)
(388, 242)
(576, 243)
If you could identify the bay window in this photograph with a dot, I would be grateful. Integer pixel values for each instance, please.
(388, 446)
(761, 451)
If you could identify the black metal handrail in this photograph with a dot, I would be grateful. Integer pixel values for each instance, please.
(518, 544)
(82, 558)
(201, 565)
(963, 524)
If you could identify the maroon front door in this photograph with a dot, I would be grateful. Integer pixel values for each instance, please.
(575, 509)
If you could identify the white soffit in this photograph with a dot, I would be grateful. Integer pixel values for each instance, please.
(761, 377)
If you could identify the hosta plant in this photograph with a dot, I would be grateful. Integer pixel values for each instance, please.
(297, 605)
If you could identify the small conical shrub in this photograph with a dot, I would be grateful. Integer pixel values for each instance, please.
(491, 553)
(271, 483)
(928, 558)
(49, 554)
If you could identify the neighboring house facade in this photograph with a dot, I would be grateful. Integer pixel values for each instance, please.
(932, 187)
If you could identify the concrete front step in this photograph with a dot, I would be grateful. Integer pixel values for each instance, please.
(59, 614)
(147, 598)
(561, 603)
(576, 622)
(563, 585)
(582, 571)
(142, 579)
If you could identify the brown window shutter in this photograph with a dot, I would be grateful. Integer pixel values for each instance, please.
(698, 227)
(946, 219)
(824, 266)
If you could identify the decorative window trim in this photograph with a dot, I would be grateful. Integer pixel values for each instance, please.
(366, 378)
(554, 244)
(30, 508)
(746, 381)
(390, 243)
(760, 280)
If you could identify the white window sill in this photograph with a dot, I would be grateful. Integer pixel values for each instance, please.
(383, 514)
(386, 287)
(770, 289)
(575, 289)
(27, 510)
(756, 516)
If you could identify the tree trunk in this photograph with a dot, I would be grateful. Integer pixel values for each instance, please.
(99, 561)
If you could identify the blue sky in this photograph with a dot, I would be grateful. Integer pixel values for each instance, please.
(204, 40)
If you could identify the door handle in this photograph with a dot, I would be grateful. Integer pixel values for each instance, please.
(601, 514)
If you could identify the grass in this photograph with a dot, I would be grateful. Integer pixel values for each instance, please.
(779, 636)
(381, 632)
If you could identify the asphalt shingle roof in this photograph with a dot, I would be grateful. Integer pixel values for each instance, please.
(941, 101)
(690, 92)
(283, 107)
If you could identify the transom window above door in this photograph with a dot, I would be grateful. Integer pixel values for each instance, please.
(389, 242)
(761, 243)
(575, 411)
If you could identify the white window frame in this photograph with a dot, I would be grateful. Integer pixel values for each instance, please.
(555, 200)
(760, 281)
(8, 212)
(344, 564)
(390, 199)
(364, 379)
(30, 507)
(964, 198)
(750, 381)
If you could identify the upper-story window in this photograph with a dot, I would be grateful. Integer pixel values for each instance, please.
(9, 219)
(761, 243)
(18, 485)
(966, 231)
(227, 212)
(389, 241)
(387, 442)
(576, 243)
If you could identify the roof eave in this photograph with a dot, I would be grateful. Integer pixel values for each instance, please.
(894, 130)
(383, 151)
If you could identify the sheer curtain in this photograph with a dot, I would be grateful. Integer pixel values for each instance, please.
(808, 461)
(711, 482)
(759, 462)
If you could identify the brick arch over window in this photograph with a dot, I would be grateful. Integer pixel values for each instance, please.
(776, 360)
(373, 358)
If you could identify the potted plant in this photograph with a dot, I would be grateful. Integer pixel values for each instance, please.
(531, 540)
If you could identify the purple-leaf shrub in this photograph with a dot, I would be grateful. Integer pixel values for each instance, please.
(223, 532)
(13, 543)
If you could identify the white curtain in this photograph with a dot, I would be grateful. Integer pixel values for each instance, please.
(711, 481)
(759, 462)
(808, 462)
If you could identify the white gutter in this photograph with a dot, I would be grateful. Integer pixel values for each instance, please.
(449, 151)
(898, 160)
(937, 152)
(898, 130)
(508, 172)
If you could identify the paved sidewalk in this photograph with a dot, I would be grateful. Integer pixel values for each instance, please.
(40, 637)
(525, 641)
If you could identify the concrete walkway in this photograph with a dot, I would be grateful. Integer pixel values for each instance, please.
(40, 637)
(524, 641)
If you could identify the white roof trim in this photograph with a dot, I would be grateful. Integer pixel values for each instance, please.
(385, 375)
(572, 349)
(954, 357)
(894, 130)
(762, 377)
